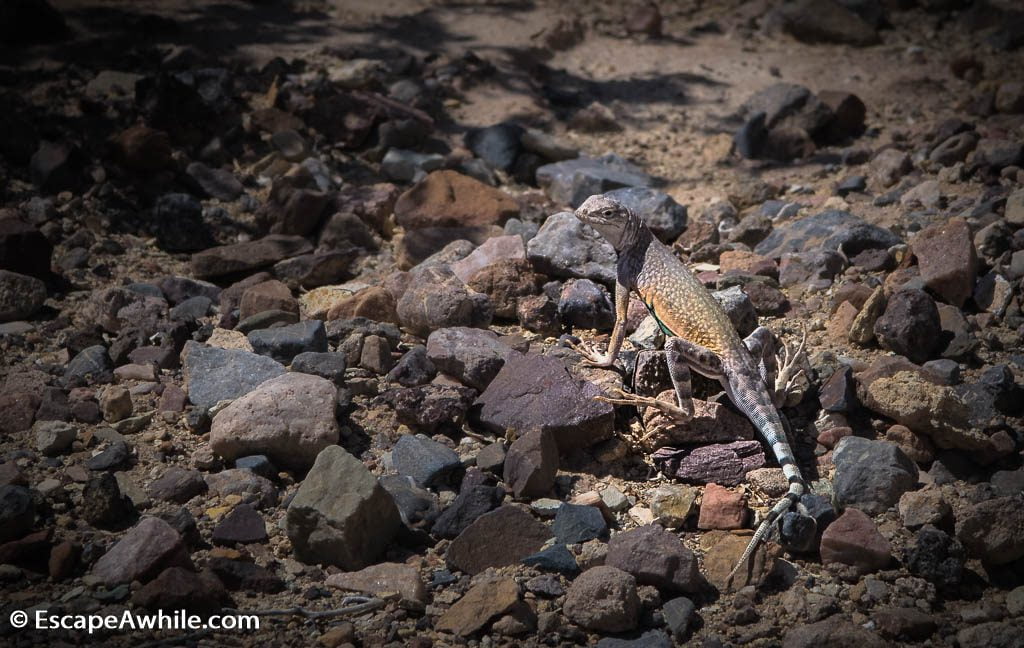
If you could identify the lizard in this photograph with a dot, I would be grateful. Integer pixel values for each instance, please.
(698, 336)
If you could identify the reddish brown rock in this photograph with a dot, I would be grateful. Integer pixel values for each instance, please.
(502, 537)
(853, 539)
(373, 303)
(480, 604)
(947, 260)
(748, 263)
(63, 559)
(450, 199)
(722, 463)
(377, 580)
(603, 599)
(505, 282)
(150, 546)
(655, 556)
(721, 508)
(532, 463)
(269, 295)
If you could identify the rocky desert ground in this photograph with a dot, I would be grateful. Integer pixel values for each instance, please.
(287, 291)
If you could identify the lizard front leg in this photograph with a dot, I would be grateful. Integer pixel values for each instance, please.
(767, 350)
(590, 355)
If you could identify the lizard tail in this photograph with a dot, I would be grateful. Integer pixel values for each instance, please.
(796, 489)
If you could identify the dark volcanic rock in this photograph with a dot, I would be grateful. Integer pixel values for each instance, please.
(283, 343)
(425, 460)
(239, 258)
(573, 181)
(502, 537)
(910, 325)
(538, 392)
(655, 556)
(871, 475)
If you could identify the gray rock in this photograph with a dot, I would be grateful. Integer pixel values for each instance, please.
(283, 343)
(104, 505)
(664, 216)
(565, 247)
(649, 639)
(470, 504)
(416, 506)
(17, 512)
(557, 558)
(251, 487)
(114, 456)
(473, 356)
(573, 181)
(538, 392)
(577, 523)
(739, 308)
(678, 614)
(586, 305)
(992, 530)
(217, 183)
(409, 166)
(497, 145)
(340, 514)
(213, 374)
(53, 437)
(20, 296)
(871, 475)
(826, 21)
(655, 556)
(603, 599)
(827, 230)
(147, 549)
(414, 368)
(91, 366)
(178, 485)
(289, 418)
(432, 406)
(328, 365)
(425, 460)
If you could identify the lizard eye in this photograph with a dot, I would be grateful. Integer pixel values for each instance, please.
(607, 213)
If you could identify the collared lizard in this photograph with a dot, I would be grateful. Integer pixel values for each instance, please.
(699, 336)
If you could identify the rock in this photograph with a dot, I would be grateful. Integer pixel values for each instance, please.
(531, 463)
(575, 523)
(831, 632)
(789, 106)
(473, 356)
(954, 149)
(244, 576)
(103, 504)
(377, 580)
(90, 366)
(450, 199)
(723, 463)
(471, 503)
(53, 437)
(555, 558)
(414, 368)
(595, 117)
(116, 404)
(289, 418)
(182, 589)
(178, 485)
(655, 557)
(664, 216)
(826, 21)
(416, 506)
(912, 400)
(147, 549)
(504, 536)
(23, 249)
(926, 506)
(217, 183)
(56, 167)
(340, 514)
(491, 251)
(720, 508)
(947, 260)
(538, 392)
(992, 530)
(425, 460)
(478, 606)
(243, 525)
(740, 309)
(584, 304)
(937, 558)
(505, 282)
(871, 475)
(853, 539)
(904, 623)
(430, 407)
(270, 295)
(241, 258)
(17, 512)
(565, 247)
(283, 343)
(889, 165)
(437, 299)
(993, 293)
(573, 181)
(603, 599)
(178, 224)
(213, 374)
(678, 613)
(21, 296)
(497, 145)
(1014, 209)
(328, 365)
(409, 166)
(828, 230)
(538, 313)
(998, 153)
(670, 504)
(994, 634)
(114, 456)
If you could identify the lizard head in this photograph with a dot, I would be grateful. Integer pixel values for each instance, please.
(611, 219)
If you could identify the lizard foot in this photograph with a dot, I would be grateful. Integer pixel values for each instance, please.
(789, 382)
(675, 413)
(591, 355)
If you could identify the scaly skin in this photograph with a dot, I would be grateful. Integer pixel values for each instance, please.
(686, 309)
